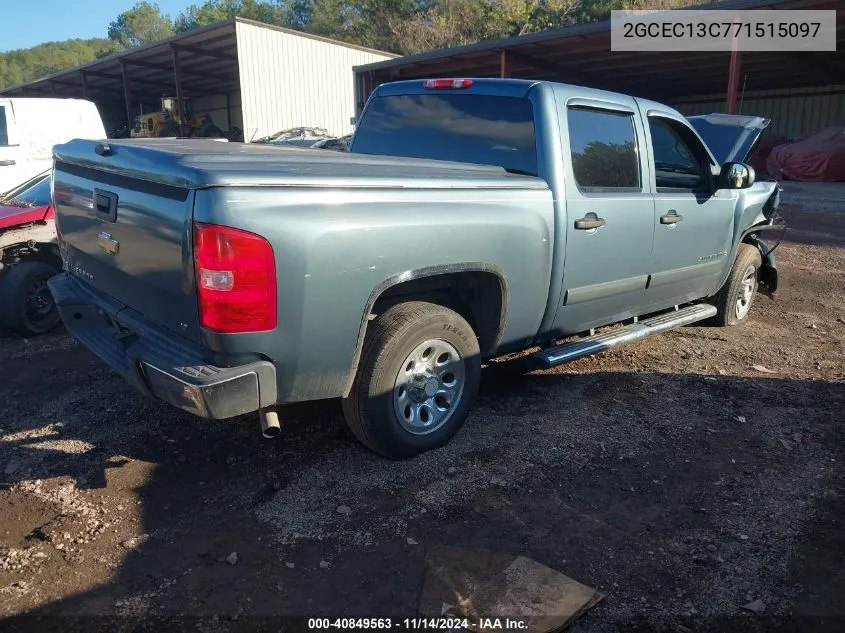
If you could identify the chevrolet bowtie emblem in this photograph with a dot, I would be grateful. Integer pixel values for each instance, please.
(105, 241)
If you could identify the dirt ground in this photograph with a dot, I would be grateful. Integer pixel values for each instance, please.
(684, 477)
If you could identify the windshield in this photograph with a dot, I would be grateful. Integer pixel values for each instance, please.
(467, 128)
(36, 193)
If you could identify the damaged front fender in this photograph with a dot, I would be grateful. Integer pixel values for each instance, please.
(767, 276)
(766, 221)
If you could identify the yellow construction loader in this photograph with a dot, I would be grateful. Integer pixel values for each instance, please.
(169, 122)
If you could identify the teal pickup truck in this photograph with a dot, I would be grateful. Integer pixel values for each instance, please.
(471, 217)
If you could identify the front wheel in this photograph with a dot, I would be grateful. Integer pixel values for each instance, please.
(26, 304)
(416, 382)
(733, 302)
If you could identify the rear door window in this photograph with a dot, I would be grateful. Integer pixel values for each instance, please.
(468, 128)
(604, 150)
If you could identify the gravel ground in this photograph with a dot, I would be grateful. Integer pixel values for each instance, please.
(685, 477)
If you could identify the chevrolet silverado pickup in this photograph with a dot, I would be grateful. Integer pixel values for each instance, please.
(470, 218)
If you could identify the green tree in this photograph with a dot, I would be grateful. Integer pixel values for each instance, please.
(290, 13)
(331, 18)
(24, 65)
(456, 22)
(140, 25)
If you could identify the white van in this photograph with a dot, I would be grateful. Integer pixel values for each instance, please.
(29, 128)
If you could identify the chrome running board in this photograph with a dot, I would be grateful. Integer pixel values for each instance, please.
(567, 352)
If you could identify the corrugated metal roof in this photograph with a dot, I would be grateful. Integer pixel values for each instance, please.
(576, 30)
(208, 64)
(582, 55)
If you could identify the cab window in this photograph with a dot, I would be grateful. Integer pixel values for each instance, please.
(680, 163)
(604, 150)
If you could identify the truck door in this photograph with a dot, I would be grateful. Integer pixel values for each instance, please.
(11, 168)
(693, 225)
(609, 214)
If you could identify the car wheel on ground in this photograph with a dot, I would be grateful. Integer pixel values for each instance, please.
(26, 304)
(735, 298)
(416, 382)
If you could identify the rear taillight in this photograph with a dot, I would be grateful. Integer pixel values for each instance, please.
(236, 279)
(447, 84)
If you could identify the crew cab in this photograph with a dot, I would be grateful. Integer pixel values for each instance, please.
(471, 217)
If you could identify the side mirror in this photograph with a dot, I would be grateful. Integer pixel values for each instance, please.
(736, 176)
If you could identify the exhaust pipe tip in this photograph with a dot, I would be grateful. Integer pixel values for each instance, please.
(269, 420)
(271, 432)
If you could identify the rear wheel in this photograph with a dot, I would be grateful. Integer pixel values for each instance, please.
(26, 304)
(733, 302)
(416, 381)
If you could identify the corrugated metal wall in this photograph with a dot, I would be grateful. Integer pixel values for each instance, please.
(794, 113)
(215, 106)
(291, 80)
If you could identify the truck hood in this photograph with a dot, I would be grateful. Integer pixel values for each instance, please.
(11, 216)
(731, 137)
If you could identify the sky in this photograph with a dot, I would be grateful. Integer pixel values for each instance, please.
(30, 22)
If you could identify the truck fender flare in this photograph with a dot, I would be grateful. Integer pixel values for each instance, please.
(419, 273)
(768, 274)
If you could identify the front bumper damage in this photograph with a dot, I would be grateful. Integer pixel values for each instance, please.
(157, 362)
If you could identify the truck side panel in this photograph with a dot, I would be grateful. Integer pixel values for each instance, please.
(333, 247)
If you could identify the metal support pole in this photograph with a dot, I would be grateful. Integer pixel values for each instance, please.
(126, 95)
(733, 78)
(504, 66)
(368, 78)
(361, 81)
(177, 79)
(84, 85)
(229, 111)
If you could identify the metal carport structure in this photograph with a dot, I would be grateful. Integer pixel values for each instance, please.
(244, 72)
(199, 63)
(582, 55)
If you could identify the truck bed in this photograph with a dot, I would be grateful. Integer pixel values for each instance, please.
(197, 163)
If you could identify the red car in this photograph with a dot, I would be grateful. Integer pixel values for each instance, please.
(29, 256)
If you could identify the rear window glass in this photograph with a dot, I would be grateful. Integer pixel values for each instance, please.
(467, 128)
(604, 150)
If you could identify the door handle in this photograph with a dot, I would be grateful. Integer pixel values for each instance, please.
(671, 218)
(589, 222)
(6, 163)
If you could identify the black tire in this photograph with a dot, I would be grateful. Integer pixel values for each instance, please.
(26, 304)
(727, 299)
(393, 336)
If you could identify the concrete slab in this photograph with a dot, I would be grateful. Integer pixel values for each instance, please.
(487, 587)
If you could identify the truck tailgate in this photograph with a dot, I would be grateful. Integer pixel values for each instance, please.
(129, 238)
